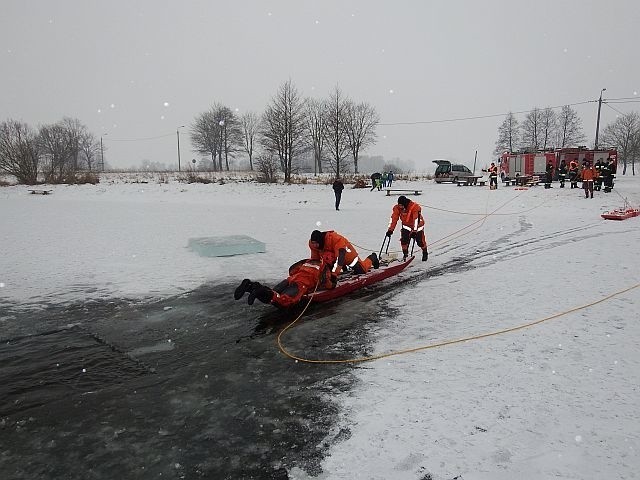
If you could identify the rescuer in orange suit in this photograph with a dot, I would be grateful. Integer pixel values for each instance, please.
(589, 174)
(304, 276)
(346, 256)
(493, 177)
(410, 214)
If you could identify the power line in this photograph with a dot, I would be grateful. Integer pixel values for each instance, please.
(625, 101)
(141, 139)
(612, 108)
(624, 98)
(478, 117)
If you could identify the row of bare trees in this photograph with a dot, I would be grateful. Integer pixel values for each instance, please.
(543, 128)
(54, 152)
(624, 133)
(334, 131)
(540, 129)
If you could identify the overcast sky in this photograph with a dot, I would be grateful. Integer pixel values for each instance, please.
(135, 71)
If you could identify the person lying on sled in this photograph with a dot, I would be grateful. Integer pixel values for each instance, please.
(304, 277)
(346, 256)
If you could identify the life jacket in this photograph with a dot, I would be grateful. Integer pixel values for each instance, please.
(344, 253)
(411, 217)
(493, 171)
(588, 174)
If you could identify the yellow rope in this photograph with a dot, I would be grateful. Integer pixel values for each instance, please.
(446, 342)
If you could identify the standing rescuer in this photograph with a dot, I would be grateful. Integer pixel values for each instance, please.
(410, 215)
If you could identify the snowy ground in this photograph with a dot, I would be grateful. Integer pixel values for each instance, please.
(555, 400)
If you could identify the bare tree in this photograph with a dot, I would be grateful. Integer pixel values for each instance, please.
(547, 127)
(75, 129)
(250, 124)
(508, 135)
(19, 155)
(230, 134)
(267, 166)
(532, 130)
(89, 150)
(361, 122)
(336, 133)
(283, 132)
(569, 128)
(205, 135)
(57, 150)
(624, 133)
(316, 130)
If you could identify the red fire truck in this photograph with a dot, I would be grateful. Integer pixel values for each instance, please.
(535, 163)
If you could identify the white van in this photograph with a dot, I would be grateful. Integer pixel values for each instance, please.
(450, 172)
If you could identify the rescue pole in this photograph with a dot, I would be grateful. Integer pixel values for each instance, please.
(388, 241)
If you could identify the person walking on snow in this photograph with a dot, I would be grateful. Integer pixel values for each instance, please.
(345, 255)
(410, 215)
(338, 186)
(375, 177)
(304, 276)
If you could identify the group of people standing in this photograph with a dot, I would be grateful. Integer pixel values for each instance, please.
(331, 253)
(592, 176)
(381, 180)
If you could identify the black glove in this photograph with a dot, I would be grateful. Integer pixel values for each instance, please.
(389, 233)
(413, 235)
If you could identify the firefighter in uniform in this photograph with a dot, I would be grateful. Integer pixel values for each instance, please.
(345, 255)
(597, 185)
(562, 173)
(589, 174)
(410, 215)
(549, 175)
(493, 177)
(573, 173)
(608, 172)
(304, 276)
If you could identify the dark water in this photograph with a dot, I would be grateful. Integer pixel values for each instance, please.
(192, 386)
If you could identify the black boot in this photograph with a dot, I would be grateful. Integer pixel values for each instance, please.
(425, 255)
(262, 293)
(245, 286)
(374, 260)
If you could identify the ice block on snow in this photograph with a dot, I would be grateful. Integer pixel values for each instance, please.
(226, 246)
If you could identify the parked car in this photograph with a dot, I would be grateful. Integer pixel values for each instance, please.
(450, 172)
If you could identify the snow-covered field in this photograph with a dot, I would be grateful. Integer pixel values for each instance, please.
(558, 399)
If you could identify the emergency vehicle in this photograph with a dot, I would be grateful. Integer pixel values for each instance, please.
(535, 163)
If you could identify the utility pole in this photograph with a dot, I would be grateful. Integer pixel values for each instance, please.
(598, 121)
(102, 151)
(178, 137)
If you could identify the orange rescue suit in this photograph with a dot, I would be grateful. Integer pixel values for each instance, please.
(412, 225)
(305, 275)
(344, 253)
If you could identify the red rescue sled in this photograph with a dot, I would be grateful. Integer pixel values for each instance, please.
(355, 282)
(621, 214)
